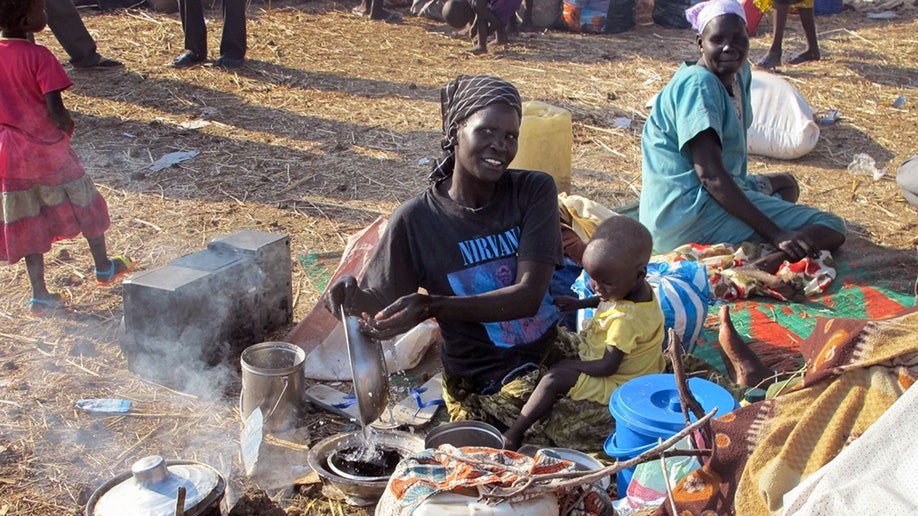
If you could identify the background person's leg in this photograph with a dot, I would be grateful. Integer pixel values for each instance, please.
(65, 22)
(192, 14)
(233, 42)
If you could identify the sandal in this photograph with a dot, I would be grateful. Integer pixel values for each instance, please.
(39, 307)
(120, 265)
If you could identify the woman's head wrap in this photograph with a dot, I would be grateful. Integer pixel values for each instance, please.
(462, 97)
(700, 14)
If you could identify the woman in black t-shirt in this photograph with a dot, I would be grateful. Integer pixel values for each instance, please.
(482, 242)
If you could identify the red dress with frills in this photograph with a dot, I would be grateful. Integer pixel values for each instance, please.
(45, 194)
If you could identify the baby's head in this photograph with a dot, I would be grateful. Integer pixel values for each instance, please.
(616, 257)
(22, 16)
(458, 13)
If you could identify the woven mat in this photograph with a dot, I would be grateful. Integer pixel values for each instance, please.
(319, 267)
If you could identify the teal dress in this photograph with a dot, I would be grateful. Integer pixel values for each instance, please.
(674, 206)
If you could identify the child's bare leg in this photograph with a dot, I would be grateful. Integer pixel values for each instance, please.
(35, 266)
(556, 382)
(377, 13)
(773, 57)
(501, 35)
(99, 252)
(527, 14)
(808, 21)
(743, 365)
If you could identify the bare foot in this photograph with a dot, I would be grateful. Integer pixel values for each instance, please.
(743, 365)
(387, 16)
(770, 62)
(803, 57)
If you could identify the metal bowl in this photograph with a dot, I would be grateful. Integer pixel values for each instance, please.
(465, 433)
(355, 491)
(582, 461)
(368, 369)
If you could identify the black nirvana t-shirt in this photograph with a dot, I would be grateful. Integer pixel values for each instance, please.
(448, 249)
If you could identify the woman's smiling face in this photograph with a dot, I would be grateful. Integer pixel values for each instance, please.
(486, 142)
(724, 45)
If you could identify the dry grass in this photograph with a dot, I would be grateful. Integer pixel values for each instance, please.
(323, 129)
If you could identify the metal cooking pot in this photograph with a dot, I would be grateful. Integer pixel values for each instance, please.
(465, 433)
(152, 487)
(355, 491)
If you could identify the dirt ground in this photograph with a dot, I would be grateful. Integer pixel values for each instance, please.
(331, 122)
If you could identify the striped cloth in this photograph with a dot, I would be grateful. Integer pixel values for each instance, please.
(681, 288)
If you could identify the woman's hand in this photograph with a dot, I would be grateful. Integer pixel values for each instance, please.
(797, 245)
(402, 315)
(341, 294)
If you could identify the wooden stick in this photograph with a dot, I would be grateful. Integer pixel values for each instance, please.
(78, 366)
(129, 450)
(145, 223)
(686, 398)
(180, 502)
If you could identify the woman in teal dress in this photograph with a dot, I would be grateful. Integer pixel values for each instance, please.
(696, 188)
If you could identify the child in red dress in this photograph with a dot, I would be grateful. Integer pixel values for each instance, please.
(45, 195)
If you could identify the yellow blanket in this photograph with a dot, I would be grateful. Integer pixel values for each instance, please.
(856, 369)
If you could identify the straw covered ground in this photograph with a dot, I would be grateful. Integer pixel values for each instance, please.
(331, 122)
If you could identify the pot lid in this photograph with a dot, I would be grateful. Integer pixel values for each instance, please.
(650, 404)
(151, 489)
(368, 369)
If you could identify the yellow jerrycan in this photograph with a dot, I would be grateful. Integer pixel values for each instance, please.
(545, 142)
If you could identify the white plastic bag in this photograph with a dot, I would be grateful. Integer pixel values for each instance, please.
(782, 122)
(329, 360)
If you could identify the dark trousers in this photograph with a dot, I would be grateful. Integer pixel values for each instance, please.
(67, 26)
(232, 43)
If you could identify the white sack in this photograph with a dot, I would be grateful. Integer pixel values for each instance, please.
(329, 361)
(782, 122)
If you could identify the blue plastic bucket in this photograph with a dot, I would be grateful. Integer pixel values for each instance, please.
(623, 477)
(821, 7)
(648, 408)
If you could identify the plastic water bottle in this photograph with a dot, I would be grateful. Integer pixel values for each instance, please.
(863, 165)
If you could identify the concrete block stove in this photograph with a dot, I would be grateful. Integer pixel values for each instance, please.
(185, 320)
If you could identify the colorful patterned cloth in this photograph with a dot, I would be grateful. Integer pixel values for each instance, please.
(856, 369)
(447, 468)
(730, 282)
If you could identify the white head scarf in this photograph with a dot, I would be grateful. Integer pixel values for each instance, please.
(700, 14)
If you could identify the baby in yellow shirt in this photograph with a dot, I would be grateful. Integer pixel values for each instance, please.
(624, 339)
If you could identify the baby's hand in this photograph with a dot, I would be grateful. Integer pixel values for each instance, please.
(567, 303)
